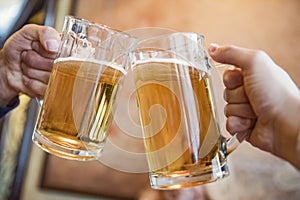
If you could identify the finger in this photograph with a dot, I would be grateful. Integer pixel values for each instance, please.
(48, 36)
(34, 60)
(232, 78)
(32, 73)
(237, 95)
(37, 47)
(239, 110)
(240, 57)
(239, 124)
(34, 87)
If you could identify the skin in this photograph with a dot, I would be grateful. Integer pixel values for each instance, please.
(26, 61)
(263, 101)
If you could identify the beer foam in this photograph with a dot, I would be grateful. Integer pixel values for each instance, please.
(172, 60)
(99, 62)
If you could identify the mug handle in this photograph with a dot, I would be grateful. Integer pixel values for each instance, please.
(234, 141)
(217, 69)
(39, 101)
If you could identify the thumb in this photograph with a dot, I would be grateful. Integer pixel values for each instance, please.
(47, 36)
(240, 57)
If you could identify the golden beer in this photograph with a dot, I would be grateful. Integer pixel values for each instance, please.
(180, 129)
(77, 109)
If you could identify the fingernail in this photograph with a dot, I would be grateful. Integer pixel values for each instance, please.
(52, 45)
(213, 47)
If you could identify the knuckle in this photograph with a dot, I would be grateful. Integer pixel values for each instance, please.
(229, 127)
(257, 56)
(24, 69)
(45, 30)
(29, 84)
(28, 26)
(29, 58)
(226, 95)
(226, 110)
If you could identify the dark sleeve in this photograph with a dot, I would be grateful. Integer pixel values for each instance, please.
(298, 151)
(4, 110)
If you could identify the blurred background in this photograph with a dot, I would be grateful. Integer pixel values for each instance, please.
(270, 25)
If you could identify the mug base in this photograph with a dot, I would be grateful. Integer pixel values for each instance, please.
(185, 180)
(64, 152)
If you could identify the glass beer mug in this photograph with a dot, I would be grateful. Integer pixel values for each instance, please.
(78, 104)
(181, 129)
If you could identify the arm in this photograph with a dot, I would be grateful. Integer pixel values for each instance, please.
(26, 62)
(263, 101)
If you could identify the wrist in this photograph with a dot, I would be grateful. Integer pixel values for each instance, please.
(287, 129)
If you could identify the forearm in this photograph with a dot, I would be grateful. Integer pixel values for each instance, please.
(7, 94)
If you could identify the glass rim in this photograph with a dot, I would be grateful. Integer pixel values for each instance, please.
(140, 49)
(101, 26)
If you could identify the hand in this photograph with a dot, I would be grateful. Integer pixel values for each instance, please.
(26, 61)
(262, 100)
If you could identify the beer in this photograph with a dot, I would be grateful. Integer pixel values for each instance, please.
(77, 109)
(181, 134)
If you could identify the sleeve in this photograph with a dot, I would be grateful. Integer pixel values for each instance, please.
(298, 150)
(5, 110)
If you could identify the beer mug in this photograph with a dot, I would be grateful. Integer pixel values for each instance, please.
(179, 118)
(77, 109)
